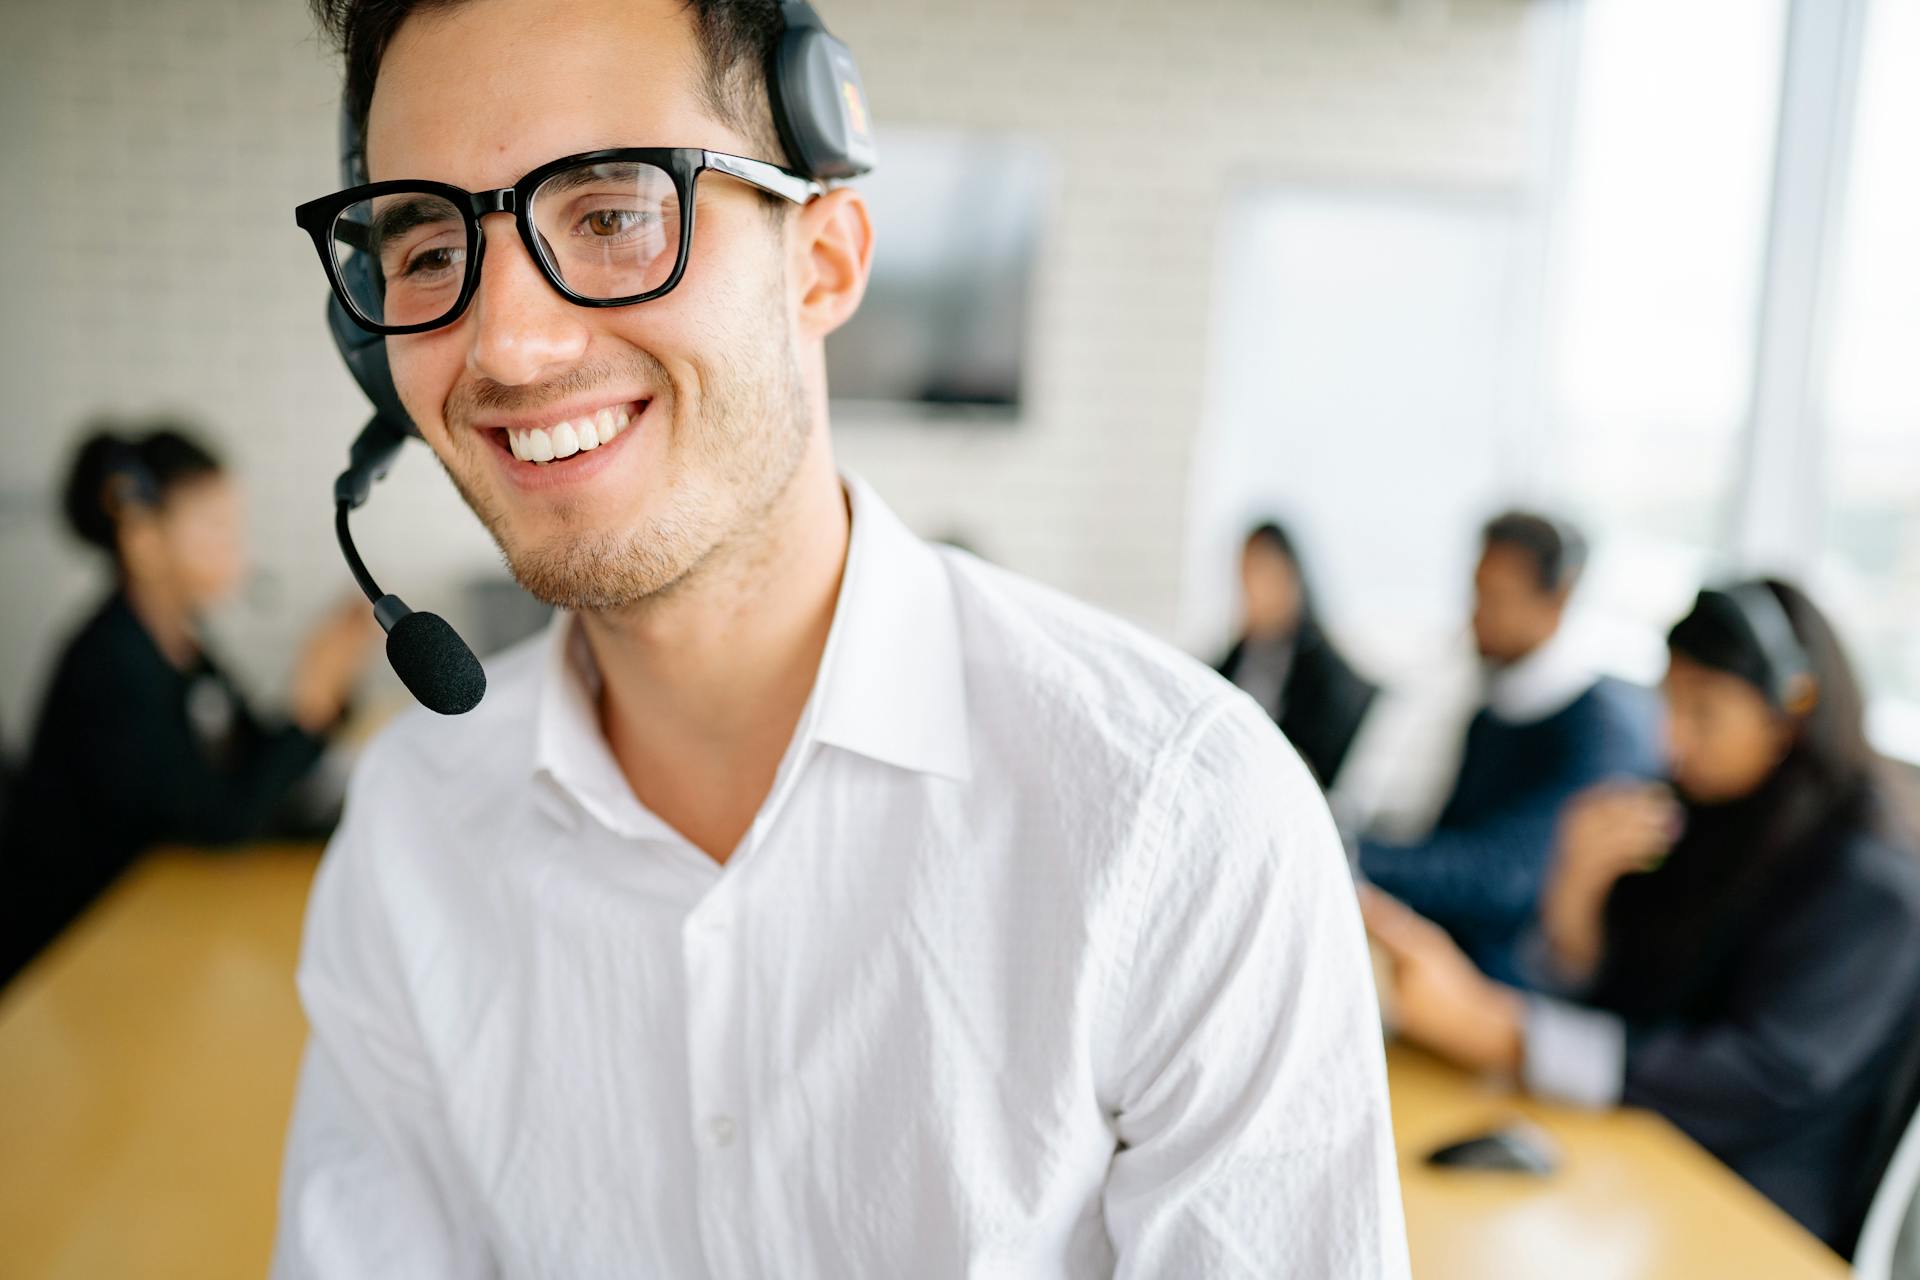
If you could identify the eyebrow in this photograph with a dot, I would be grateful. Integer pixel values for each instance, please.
(613, 171)
(398, 219)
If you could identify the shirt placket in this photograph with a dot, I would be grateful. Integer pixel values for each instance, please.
(723, 1128)
(713, 943)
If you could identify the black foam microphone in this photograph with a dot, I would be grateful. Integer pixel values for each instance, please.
(425, 652)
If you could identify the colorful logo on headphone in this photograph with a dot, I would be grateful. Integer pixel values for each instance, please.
(856, 109)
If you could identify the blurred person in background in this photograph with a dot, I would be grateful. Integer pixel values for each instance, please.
(1744, 946)
(142, 737)
(1550, 727)
(1286, 663)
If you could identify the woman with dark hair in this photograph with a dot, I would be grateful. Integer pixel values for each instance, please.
(1286, 663)
(142, 737)
(1744, 947)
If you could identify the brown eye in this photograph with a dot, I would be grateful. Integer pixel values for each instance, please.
(433, 262)
(610, 222)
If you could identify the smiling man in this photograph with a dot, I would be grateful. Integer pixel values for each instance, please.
(807, 901)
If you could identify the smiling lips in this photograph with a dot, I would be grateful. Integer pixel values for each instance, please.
(541, 445)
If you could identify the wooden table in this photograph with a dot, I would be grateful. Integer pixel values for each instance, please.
(1633, 1198)
(147, 1064)
(147, 1067)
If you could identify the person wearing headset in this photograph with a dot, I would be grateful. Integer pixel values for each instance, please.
(808, 900)
(1740, 950)
(143, 738)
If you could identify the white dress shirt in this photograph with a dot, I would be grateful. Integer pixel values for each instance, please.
(1040, 959)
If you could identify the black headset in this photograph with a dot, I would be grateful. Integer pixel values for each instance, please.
(1788, 667)
(820, 110)
(129, 484)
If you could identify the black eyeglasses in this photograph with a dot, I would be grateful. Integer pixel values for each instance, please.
(607, 228)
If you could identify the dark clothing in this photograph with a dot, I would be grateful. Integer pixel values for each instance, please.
(130, 752)
(1480, 873)
(1776, 1035)
(1321, 702)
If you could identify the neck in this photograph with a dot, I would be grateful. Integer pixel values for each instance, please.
(165, 618)
(703, 687)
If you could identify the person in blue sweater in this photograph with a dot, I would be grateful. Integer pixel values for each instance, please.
(1550, 728)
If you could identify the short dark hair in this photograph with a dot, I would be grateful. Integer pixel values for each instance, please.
(737, 41)
(1556, 548)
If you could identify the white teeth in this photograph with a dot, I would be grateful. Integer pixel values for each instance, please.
(547, 444)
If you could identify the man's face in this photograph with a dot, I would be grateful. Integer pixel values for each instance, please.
(708, 376)
(1512, 614)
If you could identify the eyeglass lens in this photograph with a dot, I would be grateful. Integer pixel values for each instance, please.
(605, 231)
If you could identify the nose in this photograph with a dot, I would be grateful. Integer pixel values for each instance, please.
(523, 331)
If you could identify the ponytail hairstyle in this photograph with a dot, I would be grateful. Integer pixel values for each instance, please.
(121, 469)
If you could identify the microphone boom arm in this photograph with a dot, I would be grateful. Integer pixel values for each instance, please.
(428, 655)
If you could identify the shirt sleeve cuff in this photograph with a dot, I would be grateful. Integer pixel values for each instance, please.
(1573, 1054)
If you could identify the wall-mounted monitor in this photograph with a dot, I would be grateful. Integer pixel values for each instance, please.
(958, 217)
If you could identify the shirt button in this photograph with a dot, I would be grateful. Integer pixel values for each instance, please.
(722, 1129)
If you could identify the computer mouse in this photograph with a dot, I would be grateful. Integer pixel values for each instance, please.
(1512, 1148)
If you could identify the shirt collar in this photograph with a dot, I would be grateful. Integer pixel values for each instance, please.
(1542, 684)
(891, 683)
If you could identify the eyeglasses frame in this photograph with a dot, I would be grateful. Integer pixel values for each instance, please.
(683, 164)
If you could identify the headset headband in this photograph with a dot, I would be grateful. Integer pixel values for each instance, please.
(1771, 631)
(814, 87)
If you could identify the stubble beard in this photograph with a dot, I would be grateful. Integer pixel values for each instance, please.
(732, 466)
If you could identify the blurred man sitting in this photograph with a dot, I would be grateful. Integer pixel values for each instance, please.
(1550, 727)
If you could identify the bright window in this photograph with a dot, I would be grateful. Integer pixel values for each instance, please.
(1869, 399)
(1661, 259)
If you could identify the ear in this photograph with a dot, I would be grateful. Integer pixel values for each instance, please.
(833, 245)
(1803, 695)
(136, 536)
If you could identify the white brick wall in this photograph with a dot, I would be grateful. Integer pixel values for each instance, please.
(153, 153)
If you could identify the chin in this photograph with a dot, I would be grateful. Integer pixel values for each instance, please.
(601, 569)
(1706, 794)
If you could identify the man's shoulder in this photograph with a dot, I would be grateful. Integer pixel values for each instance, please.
(1621, 699)
(1021, 631)
(1623, 719)
(1061, 674)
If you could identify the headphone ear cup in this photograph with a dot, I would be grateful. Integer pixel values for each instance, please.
(353, 150)
(365, 353)
(819, 105)
(130, 485)
(366, 357)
